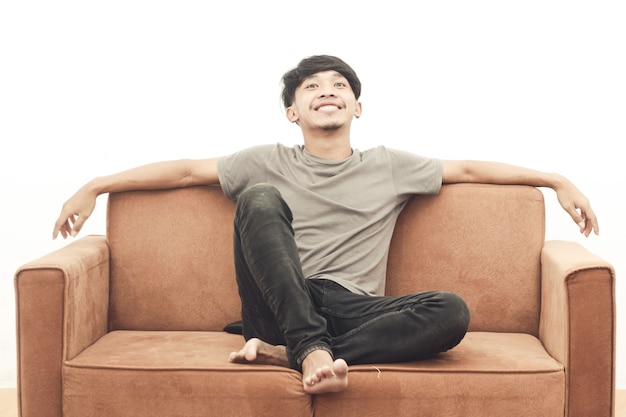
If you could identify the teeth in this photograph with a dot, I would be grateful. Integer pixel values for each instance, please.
(327, 107)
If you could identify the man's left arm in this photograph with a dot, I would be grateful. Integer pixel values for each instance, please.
(570, 198)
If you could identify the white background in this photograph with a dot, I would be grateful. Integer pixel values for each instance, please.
(90, 88)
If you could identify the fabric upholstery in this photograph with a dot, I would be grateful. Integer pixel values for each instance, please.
(578, 324)
(454, 244)
(488, 374)
(131, 324)
(176, 373)
(171, 260)
(61, 303)
(186, 378)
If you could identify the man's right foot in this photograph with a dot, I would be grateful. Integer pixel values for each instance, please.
(320, 374)
(257, 351)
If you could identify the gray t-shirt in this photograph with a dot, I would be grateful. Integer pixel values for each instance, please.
(344, 212)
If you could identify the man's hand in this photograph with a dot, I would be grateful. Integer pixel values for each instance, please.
(578, 207)
(74, 213)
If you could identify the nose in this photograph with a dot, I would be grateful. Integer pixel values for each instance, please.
(326, 91)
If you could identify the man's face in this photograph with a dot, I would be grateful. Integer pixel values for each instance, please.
(324, 101)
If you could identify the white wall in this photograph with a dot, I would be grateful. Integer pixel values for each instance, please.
(91, 88)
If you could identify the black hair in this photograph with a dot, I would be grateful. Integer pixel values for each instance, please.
(312, 65)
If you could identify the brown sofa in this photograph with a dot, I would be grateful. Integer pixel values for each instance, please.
(131, 324)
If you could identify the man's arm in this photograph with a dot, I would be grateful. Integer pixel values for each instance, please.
(570, 198)
(155, 176)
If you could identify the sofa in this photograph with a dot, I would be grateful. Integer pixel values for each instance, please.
(131, 323)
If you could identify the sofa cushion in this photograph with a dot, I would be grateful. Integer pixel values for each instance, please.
(152, 374)
(187, 373)
(488, 374)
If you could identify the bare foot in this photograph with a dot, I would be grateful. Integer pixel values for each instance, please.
(321, 375)
(257, 351)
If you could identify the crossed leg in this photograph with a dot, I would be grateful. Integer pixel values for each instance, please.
(276, 307)
(282, 322)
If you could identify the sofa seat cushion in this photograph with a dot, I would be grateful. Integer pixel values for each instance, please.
(151, 374)
(487, 374)
(187, 374)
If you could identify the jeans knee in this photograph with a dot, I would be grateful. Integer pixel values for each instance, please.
(457, 311)
(260, 198)
(259, 191)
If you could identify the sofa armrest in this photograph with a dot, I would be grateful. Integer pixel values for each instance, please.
(61, 308)
(577, 324)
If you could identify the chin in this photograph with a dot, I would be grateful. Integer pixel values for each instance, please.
(331, 126)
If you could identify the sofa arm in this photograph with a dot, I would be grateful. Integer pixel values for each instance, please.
(577, 325)
(61, 308)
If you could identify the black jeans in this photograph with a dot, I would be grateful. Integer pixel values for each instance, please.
(281, 307)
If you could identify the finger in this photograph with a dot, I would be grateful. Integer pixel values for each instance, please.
(65, 229)
(59, 227)
(582, 223)
(78, 222)
(585, 228)
(589, 222)
(55, 231)
(64, 226)
(592, 223)
(577, 216)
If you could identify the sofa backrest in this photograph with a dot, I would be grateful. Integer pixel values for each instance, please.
(172, 263)
(481, 241)
(171, 260)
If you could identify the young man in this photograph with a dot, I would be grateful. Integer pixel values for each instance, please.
(312, 229)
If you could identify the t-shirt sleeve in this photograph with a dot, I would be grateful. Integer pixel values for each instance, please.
(415, 174)
(243, 169)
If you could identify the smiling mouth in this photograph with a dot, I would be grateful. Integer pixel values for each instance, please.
(327, 108)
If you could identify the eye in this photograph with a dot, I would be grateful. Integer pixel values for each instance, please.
(310, 86)
(340, 84)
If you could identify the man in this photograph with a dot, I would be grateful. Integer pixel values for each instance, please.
(312, 229)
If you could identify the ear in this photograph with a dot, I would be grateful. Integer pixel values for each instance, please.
(358, 110)
(291, 115)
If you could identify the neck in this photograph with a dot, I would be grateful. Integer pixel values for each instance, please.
(328, 144)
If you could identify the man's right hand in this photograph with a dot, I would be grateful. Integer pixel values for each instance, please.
(74, 213)
(154, 176)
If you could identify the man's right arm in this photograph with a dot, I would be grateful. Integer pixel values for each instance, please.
(155, 176)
